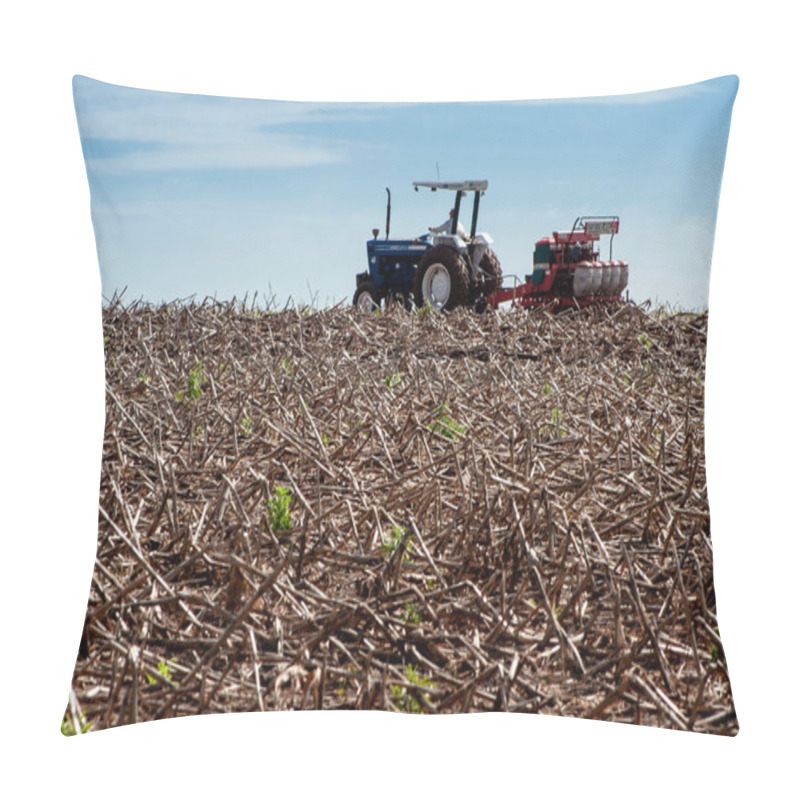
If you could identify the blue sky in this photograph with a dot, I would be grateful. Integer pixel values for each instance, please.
(198, 195)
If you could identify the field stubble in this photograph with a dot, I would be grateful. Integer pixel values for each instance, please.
(412, 512)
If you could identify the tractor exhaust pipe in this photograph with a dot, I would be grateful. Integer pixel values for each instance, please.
(388, 211)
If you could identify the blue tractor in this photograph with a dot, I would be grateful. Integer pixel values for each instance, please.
(446, 267)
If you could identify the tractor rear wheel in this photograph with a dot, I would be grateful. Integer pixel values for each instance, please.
(490, 264)
(366, 299)
(441, 279)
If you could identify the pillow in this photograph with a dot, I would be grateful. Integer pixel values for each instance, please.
(461, 471)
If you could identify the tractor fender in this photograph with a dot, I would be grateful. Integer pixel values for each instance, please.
(448, 240)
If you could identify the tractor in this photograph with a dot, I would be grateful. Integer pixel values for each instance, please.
(440, 268)
(567, 270)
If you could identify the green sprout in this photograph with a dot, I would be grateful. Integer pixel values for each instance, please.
(394, 380)
(403, 700)
(426, 309)
(546, 389)
(68, 727)
(556, 429)
(279, 512)
(194, 385)
(245, 426)
(164, 670)
(390, 547)
(286, 366)
(655, 437)
(411, 615)
(644, 339)
(447, 425)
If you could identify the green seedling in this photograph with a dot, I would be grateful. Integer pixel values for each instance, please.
(655, 440)
(556, 429)
(645, 340)
(68, 727)
(394, 380)
(546, 389)
(164, 670)
(194, 385)
(356, 427)
(446, 425)
(245, 426)
(286, 367)
(717, 655)
(411, 615)
(403, 700)
(279, 514)
(390, 547)
(426, 309)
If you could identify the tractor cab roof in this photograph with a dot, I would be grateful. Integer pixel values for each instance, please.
(453, 186)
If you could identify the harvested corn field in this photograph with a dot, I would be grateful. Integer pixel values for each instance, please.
(414, 512)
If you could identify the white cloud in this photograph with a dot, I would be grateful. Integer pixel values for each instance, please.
(196, 132)
(247, 152)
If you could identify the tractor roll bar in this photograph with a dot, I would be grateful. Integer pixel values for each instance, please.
(456, 209)
(459, 187)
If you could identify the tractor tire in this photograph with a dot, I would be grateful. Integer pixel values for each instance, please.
(442, 279)
(490, 264)
(366, 299)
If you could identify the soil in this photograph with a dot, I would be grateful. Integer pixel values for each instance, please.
(417, 512)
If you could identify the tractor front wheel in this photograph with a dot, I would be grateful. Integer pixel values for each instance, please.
(366, 299)
(441, 280)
